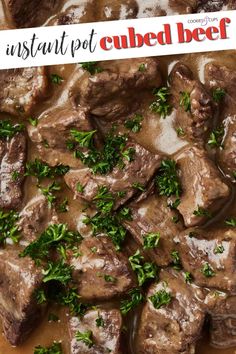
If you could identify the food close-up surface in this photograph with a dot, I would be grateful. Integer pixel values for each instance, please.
(117, 194)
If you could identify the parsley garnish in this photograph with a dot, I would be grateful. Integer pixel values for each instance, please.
(85, 337)
(142, 67)
(151, 240)
(51, 237)
(84, 139)
(176, 262)
(207, 270)
(139, 186)
(91, 67)
(231, 222)
(202, 212)
(216, 137)
(161, 105)
(135, 298)
(49, 191)
(103, 161)
(33, 121)
(185, 101)
(219, 249)
(218, 94)
(188, 277)
(109, 278)
(79, 187)
(40, 296)
(144, 270)
(8, 226)
(100, 321)
(63, 207)
(104, 200)
(70, 297)
(55, 348)
(15, 175)
(108, 224)
(180, 131)
(42, 170)
(9, 129)
(160, 298)
(134, 124)
(174, 205)
(56, 79)
(167, 179)
(57, 271)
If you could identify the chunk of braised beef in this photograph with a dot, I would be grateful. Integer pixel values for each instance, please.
(35, 218)
(153, 216)
(203, 189)
(100, 272)
(112, 93)
(53, 133)
(12, 161)
(21, 89)
(194, 106)
(19, 310)
(138, 170)
(104, 338)
(210, 257)
(29, 13)
(172, 318)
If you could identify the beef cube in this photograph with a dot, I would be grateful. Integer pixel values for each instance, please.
(110, 10)
(140, 170)
(12, 159)
(152, 215)
(210, 256)
(204, 191)
(224, 78)
(35, 218)
(105, 339)
(84, 12)
(195, 115)
(29, 13)
(53, 130)
(223, 323)
(19, 279)
(174, 327)
(215, 5)
(227, 156)
(101, 272)
(112, 93)
(21, 89)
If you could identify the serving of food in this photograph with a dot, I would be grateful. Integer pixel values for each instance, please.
(117, 195)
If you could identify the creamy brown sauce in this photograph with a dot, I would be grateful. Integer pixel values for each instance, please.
(156, 135)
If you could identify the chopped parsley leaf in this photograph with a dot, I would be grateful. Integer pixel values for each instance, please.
(40, 296)
(142, 67)
(85, 337)
(139, 186)
(135, 298)
(49, 191)
(56, 79)
(109, 278)
(55, 348)
(207, 270)
(218, 94)
(9, 129)
(176, 262)
(84, 139)
(231, 222)
(216, 137)
(161, 105)
(185, 101)
(100, 321)
(167, 180)
(42, 170)
(160, 298)
(8, 226)
(91, 67)
(219, 249)
(134, 124)
(188, 277)
(79, 187)
(151, 240)
(202, 212)
(52, 317)
(33, 121)
(57, 271)
(144, 270)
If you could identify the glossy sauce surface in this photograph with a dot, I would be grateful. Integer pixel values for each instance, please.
(155, 135)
